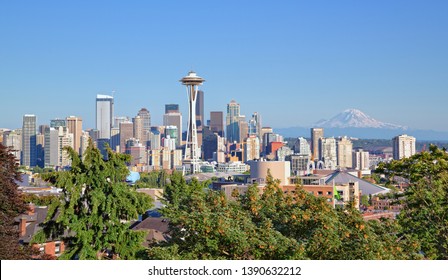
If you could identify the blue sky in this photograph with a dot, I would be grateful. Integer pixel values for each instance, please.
(295, 62)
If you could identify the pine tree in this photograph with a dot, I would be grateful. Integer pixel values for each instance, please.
(96, 207)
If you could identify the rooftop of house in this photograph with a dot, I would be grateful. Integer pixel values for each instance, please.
(157, 229)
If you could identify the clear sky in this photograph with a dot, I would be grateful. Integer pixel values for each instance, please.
(295, 62)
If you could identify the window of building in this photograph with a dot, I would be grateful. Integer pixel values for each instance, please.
(320, 193)
(57, 248)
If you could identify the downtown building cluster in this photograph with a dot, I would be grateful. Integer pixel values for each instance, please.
(226, 141)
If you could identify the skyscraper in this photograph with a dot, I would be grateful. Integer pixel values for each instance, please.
(361, 160)
(344, 151)
(316, 134)
(192, 150)
(65, 140)
(263, 145)
(233, 122)
(146, 116)
(51, 147)
(255, 124)
(115, 139)
(244, 128)
(104, 115)
(403, 146)
(217, 123)
(29, 141)
(56, 139)
(40, 152)
(302, 147)
(200, 110)
(251, 148)
(200, 115)
(174, 119)
(74, 125)
(13, 140)
(126, 132)
(139, 132)
(154, 139)
(327, 151)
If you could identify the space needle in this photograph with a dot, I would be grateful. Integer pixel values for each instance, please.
(192, 151)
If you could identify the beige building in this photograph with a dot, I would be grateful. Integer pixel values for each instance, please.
(251, 148)
(139, 132)
(344, 151)
(74, 125)
(316, 134)
(403, 146)
(349, 193)
(361, 160)
(279, 170)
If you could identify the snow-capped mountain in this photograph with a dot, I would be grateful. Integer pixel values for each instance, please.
(354, 118)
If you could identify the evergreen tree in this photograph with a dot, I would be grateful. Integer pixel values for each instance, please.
(96, 208)
(11, 206)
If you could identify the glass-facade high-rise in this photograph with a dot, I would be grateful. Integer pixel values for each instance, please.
(233, 122)
(29, 152)
(104, 115)
(200, 110)
(255, 124)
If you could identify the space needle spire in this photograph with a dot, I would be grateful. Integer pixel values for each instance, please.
(192, 152)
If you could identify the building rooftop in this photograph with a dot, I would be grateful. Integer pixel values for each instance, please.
(367, 188)
(157, 229)
(104, 96)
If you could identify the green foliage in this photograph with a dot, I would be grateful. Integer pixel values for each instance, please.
(425, 214)
(268, 225)
(41, 170)
(205, 225)
(153, 179)
(95, 210)
(40, 200)
(365, 200)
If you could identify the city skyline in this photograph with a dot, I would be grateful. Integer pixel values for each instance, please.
(295, 63)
